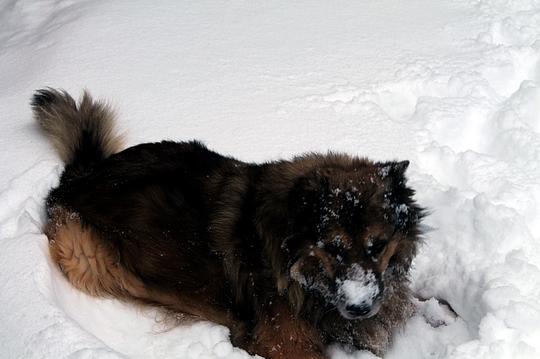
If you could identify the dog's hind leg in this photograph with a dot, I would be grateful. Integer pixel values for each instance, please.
(88, 262)
(92, 265)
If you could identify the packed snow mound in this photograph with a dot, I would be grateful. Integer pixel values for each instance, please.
(454, 87)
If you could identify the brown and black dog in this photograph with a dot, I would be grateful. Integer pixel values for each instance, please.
(290, 255)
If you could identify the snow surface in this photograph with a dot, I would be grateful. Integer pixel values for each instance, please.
(453, 86)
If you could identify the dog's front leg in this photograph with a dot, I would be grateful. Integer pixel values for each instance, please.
(373, 334)
(279, 334)
(368, 334)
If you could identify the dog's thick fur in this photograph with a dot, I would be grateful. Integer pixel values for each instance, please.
(270, 250)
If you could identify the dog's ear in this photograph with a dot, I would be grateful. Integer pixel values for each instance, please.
(393, 174)
(400, 167)
(307, 191)
(399, 200)
(393, 170)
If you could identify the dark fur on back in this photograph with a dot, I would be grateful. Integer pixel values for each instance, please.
(246, 245)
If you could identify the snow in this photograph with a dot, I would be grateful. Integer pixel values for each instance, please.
(452, 86)
(360, 287)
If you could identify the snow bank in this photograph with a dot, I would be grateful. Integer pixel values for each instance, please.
(452, 86)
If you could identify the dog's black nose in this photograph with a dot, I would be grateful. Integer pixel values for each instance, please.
(358, 310)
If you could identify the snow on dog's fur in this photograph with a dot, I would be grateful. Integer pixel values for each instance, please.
(290, 255)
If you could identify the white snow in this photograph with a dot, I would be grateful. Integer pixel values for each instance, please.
(359, 287)
(452, 86)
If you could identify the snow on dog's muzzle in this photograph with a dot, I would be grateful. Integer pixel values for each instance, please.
(359, 293)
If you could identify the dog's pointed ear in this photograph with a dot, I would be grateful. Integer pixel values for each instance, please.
(398, 197)
(400, 167)
(393, 173)
(393, 169)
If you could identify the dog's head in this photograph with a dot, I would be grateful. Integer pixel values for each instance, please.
(350, 227)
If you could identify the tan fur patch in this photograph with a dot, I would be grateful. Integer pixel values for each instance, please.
(325, 260)
(387, 255)
(86, 260)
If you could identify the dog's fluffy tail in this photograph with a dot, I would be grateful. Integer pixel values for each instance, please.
(82, 133)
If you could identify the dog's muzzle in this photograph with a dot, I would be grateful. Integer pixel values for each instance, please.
(359, 294)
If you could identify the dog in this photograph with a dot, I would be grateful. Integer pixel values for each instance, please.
(291, 255)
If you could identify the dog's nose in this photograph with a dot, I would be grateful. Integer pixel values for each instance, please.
(358, 310)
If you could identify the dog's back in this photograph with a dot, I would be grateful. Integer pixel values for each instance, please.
(114, 226)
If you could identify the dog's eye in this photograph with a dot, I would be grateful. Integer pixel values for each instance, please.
(376, 247)
(333, 249)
